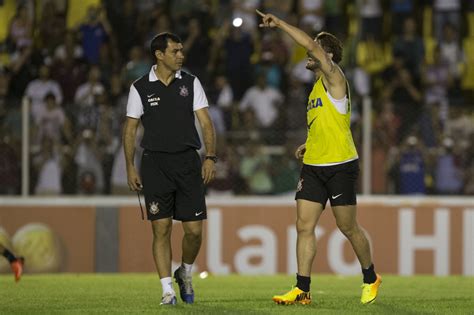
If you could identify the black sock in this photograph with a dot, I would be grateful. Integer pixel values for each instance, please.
(369, 274)
(303, 282)
(8, 255)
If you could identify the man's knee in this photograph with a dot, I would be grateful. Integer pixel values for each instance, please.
(347, 228)
(195, 234)
(162, 229)
(304, 227)
(193, 231)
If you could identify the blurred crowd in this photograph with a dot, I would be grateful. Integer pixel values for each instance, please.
(75, 60)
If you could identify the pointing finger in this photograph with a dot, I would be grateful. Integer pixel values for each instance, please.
(260, 13)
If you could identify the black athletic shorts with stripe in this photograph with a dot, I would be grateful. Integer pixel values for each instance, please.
(173, 185)
(338, 183)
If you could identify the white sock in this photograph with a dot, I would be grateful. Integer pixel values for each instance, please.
(167, 285)
(187, 269)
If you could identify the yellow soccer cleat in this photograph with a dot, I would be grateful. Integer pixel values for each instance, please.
(369, 291)
(293, 296)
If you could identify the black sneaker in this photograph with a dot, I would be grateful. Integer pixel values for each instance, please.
(185, 286)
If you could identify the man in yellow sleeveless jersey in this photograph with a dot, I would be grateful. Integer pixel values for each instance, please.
(330, 163)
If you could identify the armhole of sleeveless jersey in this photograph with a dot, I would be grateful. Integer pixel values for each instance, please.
(343, 105)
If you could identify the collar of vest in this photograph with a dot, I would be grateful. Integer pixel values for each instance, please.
(152, 76)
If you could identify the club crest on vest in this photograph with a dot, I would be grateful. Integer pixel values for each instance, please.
(183, 91)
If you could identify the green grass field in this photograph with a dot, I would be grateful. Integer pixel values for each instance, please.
(140, 293)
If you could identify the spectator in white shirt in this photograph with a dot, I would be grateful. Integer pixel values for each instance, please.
(88, 159)
(445, 12)
(451, 50)
(264, 101)
(48, 165)
(86, 93)
(51, 121)
(40, 87)
(69, 48)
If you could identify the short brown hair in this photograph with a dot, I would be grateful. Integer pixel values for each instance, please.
(331, 44)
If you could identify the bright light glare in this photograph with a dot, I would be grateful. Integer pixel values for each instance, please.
(237, 22)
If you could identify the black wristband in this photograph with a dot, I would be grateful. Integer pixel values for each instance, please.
(211, 157)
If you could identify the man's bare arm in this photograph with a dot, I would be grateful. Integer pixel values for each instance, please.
(209, 135)
(129, 137)
(330, 69)
(208, 131)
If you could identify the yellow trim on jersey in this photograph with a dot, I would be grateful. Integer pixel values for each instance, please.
(329, 134)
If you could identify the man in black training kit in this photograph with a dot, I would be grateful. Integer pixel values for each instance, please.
(16, 263)
(166, 100)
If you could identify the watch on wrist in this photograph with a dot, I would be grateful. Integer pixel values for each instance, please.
(211, 157)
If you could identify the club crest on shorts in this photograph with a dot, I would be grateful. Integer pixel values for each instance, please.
(183, 91)
(154, 208)
(300, 185)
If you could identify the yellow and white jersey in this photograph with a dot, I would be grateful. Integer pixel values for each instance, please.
(329, 139)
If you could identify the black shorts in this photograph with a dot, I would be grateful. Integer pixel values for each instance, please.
(337, 183)
(173, 185)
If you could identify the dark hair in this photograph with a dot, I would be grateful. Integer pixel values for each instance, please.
(160, 42)
(50, 95)
(331, 44)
